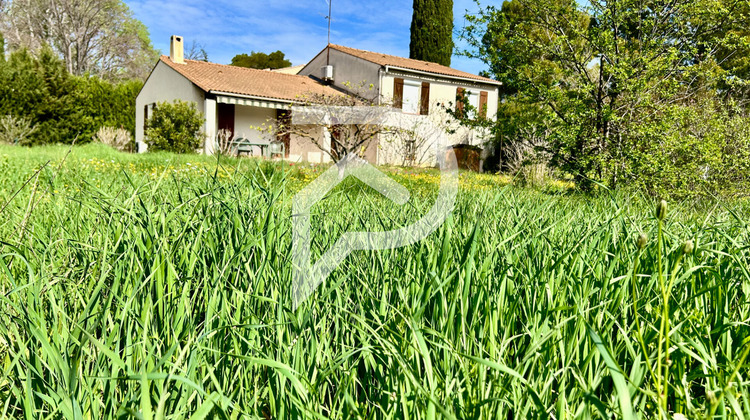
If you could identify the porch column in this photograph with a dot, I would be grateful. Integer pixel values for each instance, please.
(210, 126)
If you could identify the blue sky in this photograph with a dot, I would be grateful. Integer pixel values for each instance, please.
(298, 28)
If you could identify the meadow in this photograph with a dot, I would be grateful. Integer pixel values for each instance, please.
(158, 286)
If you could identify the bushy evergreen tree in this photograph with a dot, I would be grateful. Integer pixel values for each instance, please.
(62, 107)
(432, 31)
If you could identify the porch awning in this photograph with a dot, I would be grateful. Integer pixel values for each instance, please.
(250, 101)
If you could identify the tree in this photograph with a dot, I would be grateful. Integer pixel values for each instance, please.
(259, 60)
(196, 52)
(604, 77)
(98, 37)
(175, 127)
(432, 31)
(339, 139)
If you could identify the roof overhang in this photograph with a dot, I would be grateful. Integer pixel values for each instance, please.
(443, 76)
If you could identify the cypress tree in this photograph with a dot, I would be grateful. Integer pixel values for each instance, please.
(432, 31)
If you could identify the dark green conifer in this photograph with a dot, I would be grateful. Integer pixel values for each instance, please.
(432, 31)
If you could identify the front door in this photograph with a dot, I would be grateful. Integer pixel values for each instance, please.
(226, 117)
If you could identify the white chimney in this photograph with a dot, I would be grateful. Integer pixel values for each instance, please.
(176, 50)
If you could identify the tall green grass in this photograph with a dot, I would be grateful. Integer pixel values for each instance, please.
(138, 288)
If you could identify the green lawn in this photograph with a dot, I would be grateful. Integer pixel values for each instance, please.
(158, 286)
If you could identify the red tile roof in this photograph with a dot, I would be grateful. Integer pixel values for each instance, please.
(408, 63)
(251, 82)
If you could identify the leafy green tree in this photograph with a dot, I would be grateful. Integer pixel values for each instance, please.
(260, 60)
(432, 31)
(175, 127)
(597, 77)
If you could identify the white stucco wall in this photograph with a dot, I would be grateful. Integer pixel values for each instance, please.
(247, 119)
(303, 149)
(210, 127)
(442, 94)
(164, 84)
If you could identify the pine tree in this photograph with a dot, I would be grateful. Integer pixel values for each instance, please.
(432, 31)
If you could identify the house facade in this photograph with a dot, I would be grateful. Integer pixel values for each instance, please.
(411, 86)
(246, 102)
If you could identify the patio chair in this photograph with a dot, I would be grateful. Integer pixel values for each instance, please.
(276, 149)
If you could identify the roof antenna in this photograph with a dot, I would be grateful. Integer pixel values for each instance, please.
(328, 49)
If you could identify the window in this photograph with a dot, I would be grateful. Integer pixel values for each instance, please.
(473, 96)
(411, 97)
(411, 103)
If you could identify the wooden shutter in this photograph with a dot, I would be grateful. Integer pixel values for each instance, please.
(424, 107)
(398, 93)
(483, 104)
(460, 102)
(145, 119)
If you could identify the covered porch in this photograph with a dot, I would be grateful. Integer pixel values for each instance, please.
(231, 117)
(254, 120)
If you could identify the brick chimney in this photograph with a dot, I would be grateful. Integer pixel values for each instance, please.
(176, 50)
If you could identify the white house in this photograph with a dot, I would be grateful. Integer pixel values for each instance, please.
(231, 98)
(414, 86)
(240, 99)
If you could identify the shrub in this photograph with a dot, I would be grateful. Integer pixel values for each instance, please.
(63, 107)
(101, 103)
(116, 138)
(175, 127)
(224, 142)
(15, 130)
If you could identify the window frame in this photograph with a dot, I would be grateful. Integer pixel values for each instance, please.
(407, 106)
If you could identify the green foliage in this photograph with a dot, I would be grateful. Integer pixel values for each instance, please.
(607, 82)
(693, 150)
(160, 285)
(175, 127)
(105, 104)
(260, 60)
(432, 31)
(63, 107)
(39, 88)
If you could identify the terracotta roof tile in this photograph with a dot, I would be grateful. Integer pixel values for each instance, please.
(252, 82)
(408, 63)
